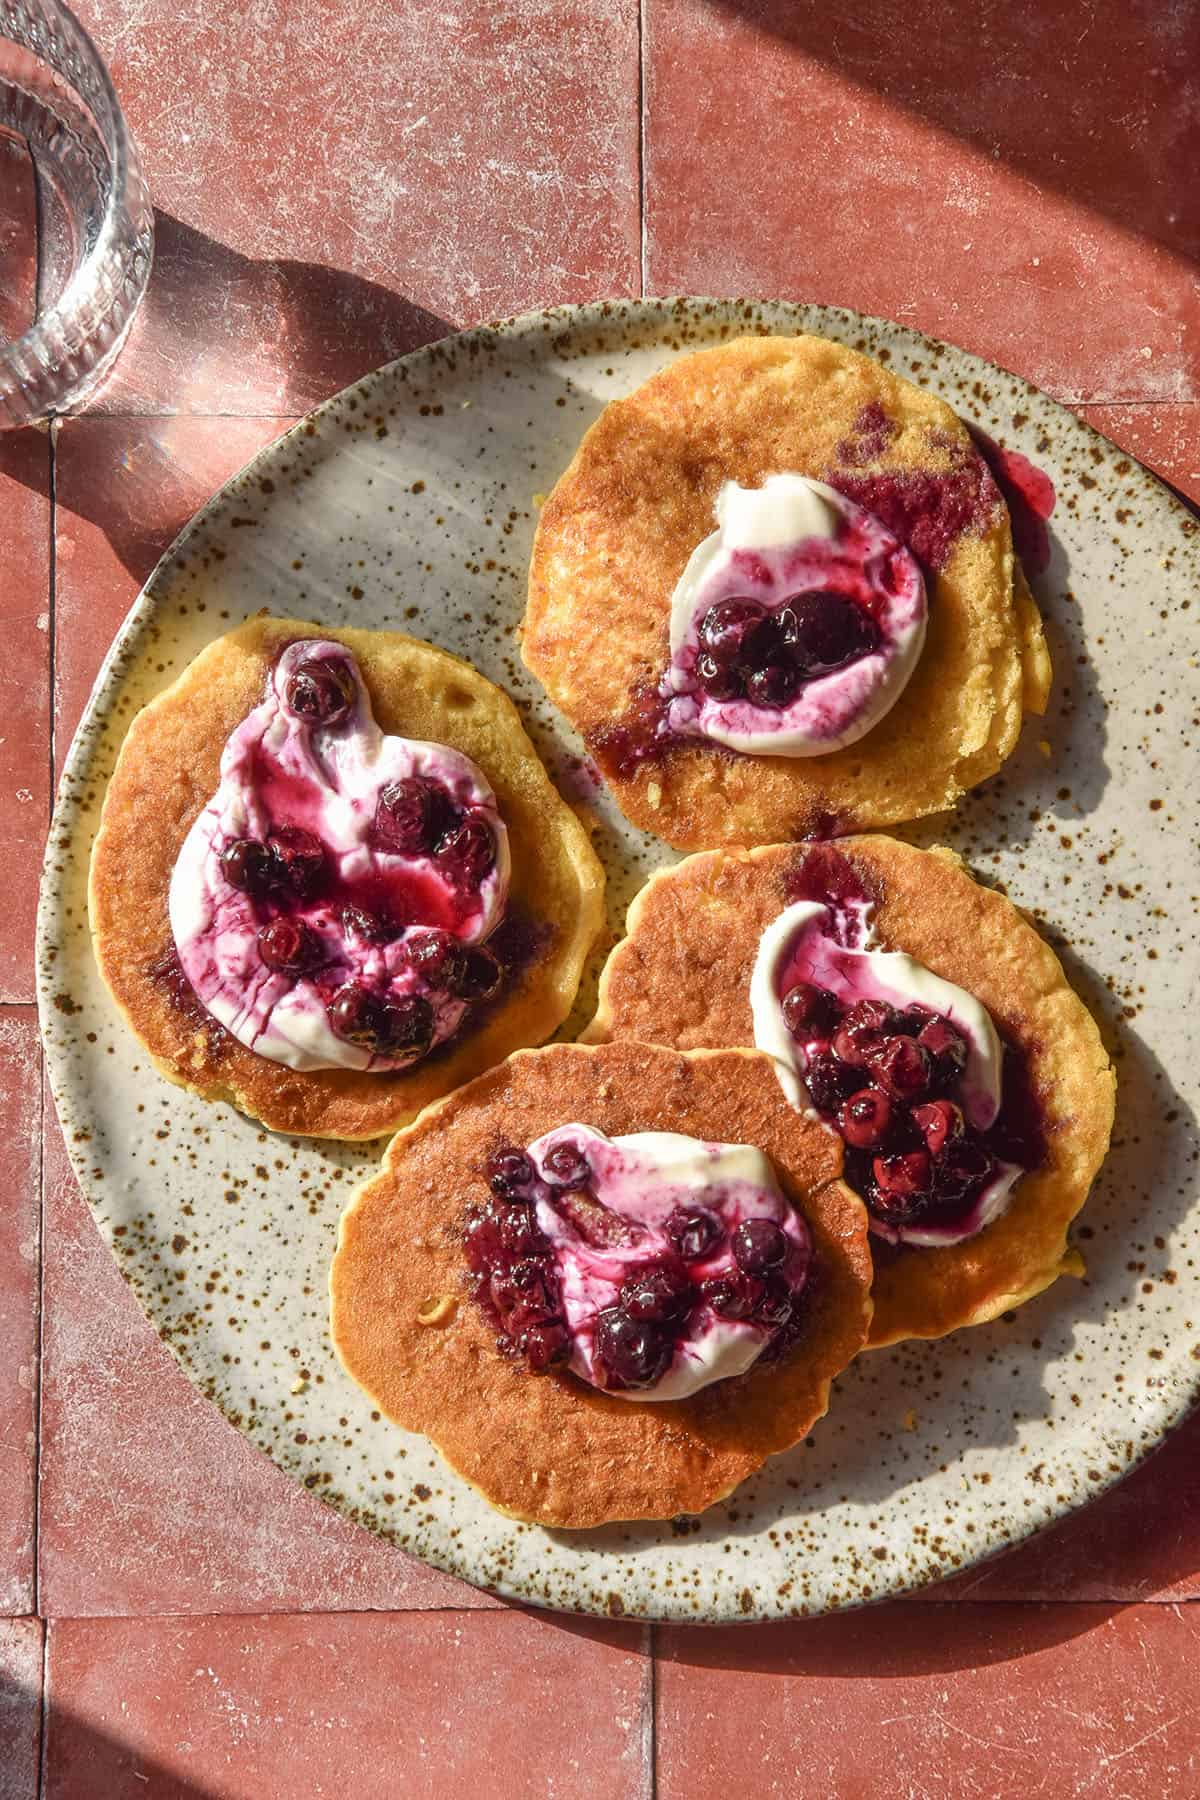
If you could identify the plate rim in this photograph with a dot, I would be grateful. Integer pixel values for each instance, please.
(1170, 1407)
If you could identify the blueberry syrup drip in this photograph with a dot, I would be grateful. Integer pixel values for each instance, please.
(669, 1283)
(166, 972)
(928, 510)
(635, 737)
(824, 875)
(1029, 495)
(869, 436)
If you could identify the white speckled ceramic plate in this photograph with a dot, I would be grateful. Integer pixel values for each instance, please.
(409, 501)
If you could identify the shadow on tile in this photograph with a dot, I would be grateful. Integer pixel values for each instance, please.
(895, 1641)
(222, 333)
(80, 1760)
(1099, 119)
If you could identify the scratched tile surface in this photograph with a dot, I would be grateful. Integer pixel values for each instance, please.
(1021, 197)
(1005, 177)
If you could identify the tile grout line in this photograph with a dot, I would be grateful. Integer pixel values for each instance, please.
(652, 1722)
(43, 1710)
(526, 1609)
(51, 645)
(641, 161)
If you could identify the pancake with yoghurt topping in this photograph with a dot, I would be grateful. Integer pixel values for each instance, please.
(922, 1020)
(606, 1283)
(776, 588)
(332, 879)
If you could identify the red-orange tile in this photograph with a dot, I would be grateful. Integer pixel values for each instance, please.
(124, 488)
(24, 695)
(20, 1137)
(998, 1701)
(20, 1707)
(335, 182)
(1012, 179)
(1165, 438)
(425, 1705)
(149, 1501)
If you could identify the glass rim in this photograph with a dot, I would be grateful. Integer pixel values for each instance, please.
(93, 293)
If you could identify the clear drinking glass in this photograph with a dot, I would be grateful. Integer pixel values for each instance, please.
(62, 132)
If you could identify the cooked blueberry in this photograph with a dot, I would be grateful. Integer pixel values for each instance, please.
(412, 814)
(545, 1346)
(481, 1238)
(902, 1068)
(865, 1119)
(758, 1245)
(828, 630)
(354, 1015)
(729, 1296)
(719, 680)
(469, 849)
(829, 1081)
(939, 1123)
(856, 1045)
(406, 1026)
(288, 945)
(246, 865)
(773, 1306)
(657, 1292)
(912, 1020)
(566, 1166)
(401, 1027)
(945, 1045)
(807, 1011)
(725, 626)
(434, 955)
(520, 1234)
(634, 1352)
(509, 1170)
(321, 691)
(961, 1170)
(905, 1176)
(477, 974)
(772, 684)
(694, 1234)
(358, 922)
(297, 858)
(870, 1015)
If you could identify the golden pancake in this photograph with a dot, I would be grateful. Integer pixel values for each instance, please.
(166, 774)
(621, 523)
(551, 1448)
(682, 977)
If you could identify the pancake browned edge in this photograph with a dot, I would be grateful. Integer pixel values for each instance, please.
(682, 977)
(168, 771)
(620, 524)
(551, 1448)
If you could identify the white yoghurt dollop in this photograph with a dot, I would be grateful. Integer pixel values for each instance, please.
(800, 946)
(278, 769)
(643, 1177)
(790, 537)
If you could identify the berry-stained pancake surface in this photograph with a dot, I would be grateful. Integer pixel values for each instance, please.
(621, 523)
(682, 977)
(550, 1447)
(166, 775)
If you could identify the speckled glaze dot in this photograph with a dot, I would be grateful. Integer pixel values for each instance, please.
(409, 502)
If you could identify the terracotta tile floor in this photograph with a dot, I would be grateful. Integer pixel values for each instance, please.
(337, 183)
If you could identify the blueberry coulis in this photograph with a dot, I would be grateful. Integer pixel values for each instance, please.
(887, 1079)
(672, 1281)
